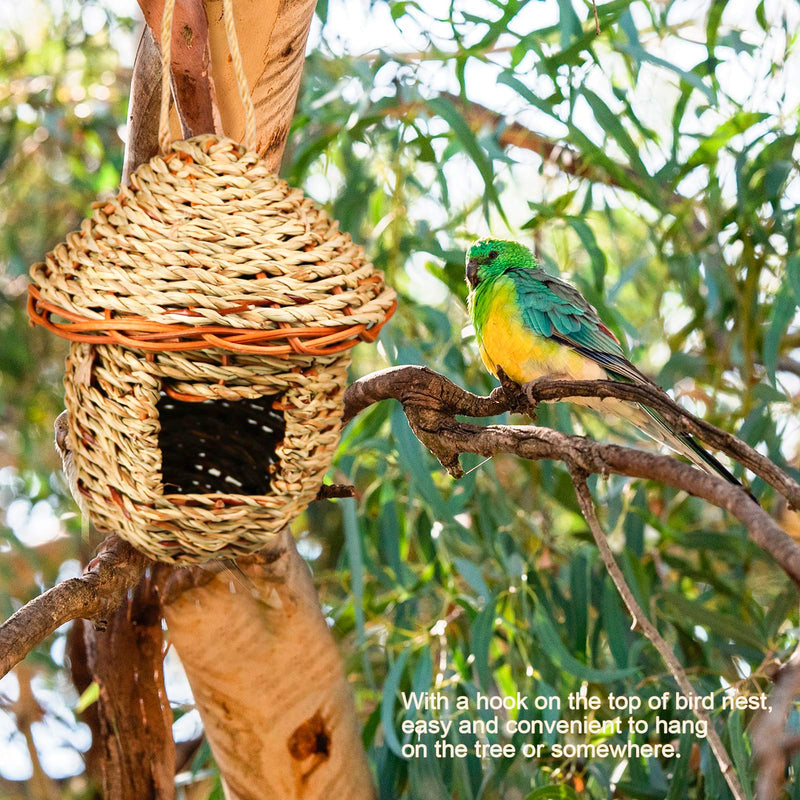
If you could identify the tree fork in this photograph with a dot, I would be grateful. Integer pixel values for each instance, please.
(319, 753)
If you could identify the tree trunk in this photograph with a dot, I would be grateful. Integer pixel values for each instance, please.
(268, 681)
(262, 664)
(136, 749)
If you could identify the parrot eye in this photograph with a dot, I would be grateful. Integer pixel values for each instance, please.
(493, 254)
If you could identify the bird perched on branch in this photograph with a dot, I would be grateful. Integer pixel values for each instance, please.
(533, 325)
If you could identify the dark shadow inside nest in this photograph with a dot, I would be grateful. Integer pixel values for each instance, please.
(219, 446)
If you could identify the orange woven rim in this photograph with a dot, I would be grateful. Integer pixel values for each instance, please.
(161, 337)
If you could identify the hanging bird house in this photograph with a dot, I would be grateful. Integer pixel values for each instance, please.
(211, 309)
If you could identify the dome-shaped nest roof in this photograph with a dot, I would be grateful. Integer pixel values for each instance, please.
(206, 247)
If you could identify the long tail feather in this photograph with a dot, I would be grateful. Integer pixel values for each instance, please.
(688, 446)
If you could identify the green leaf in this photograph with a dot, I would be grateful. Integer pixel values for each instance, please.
(610, 122)
(712, 25)
(412, 457)
(90, 695)
(568, 23)
(580, 583)
(425, 774)
(616, 624)
(640, 54)
(783, 310)
(450, 114)
(356, 560)
(388, 698)
(471, 573)
(527, 94)
(710, 146)
(683, 610)
(680, 772)
(740, 751)
(596, 256)
(551, 644)
(761, 17)
(423, 672)
(481, 633)
(370, 727)
(793, 276)
(354, 556)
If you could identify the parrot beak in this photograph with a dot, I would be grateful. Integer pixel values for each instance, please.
(472, 272)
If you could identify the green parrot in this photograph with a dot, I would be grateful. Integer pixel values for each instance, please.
(530, 325)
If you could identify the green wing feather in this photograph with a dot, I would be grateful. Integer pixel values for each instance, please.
(558, 311)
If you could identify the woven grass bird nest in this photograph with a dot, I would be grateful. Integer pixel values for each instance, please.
(211, 309)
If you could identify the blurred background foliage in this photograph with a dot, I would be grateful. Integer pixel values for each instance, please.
(657, 165)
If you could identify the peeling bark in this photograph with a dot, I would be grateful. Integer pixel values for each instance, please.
(190, 68)
(268, 681)
(137, 754)
(272, 37)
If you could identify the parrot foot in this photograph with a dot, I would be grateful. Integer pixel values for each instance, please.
(530, 388)
(518, 400)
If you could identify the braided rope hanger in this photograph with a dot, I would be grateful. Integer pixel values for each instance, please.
(238, 70)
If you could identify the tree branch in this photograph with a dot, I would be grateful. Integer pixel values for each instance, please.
(643, 624)
(424, 388)
(789, 364)
(547, 390)
(135, 718)
(431, 403)
(95, 596)
(771, 745)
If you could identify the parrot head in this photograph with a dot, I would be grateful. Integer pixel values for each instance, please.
(490, 258)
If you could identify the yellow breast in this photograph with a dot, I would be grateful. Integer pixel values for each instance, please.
(505, 341)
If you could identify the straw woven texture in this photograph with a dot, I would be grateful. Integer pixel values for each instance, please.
(207, 239)
(222, 284)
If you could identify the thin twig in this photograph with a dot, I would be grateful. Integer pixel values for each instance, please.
(789, 364)
(95, 596)
(643, 624)
(596, 18)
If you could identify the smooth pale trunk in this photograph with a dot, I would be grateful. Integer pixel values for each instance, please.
(268, 682)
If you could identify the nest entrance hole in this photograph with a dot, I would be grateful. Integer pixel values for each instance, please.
(219, 446)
